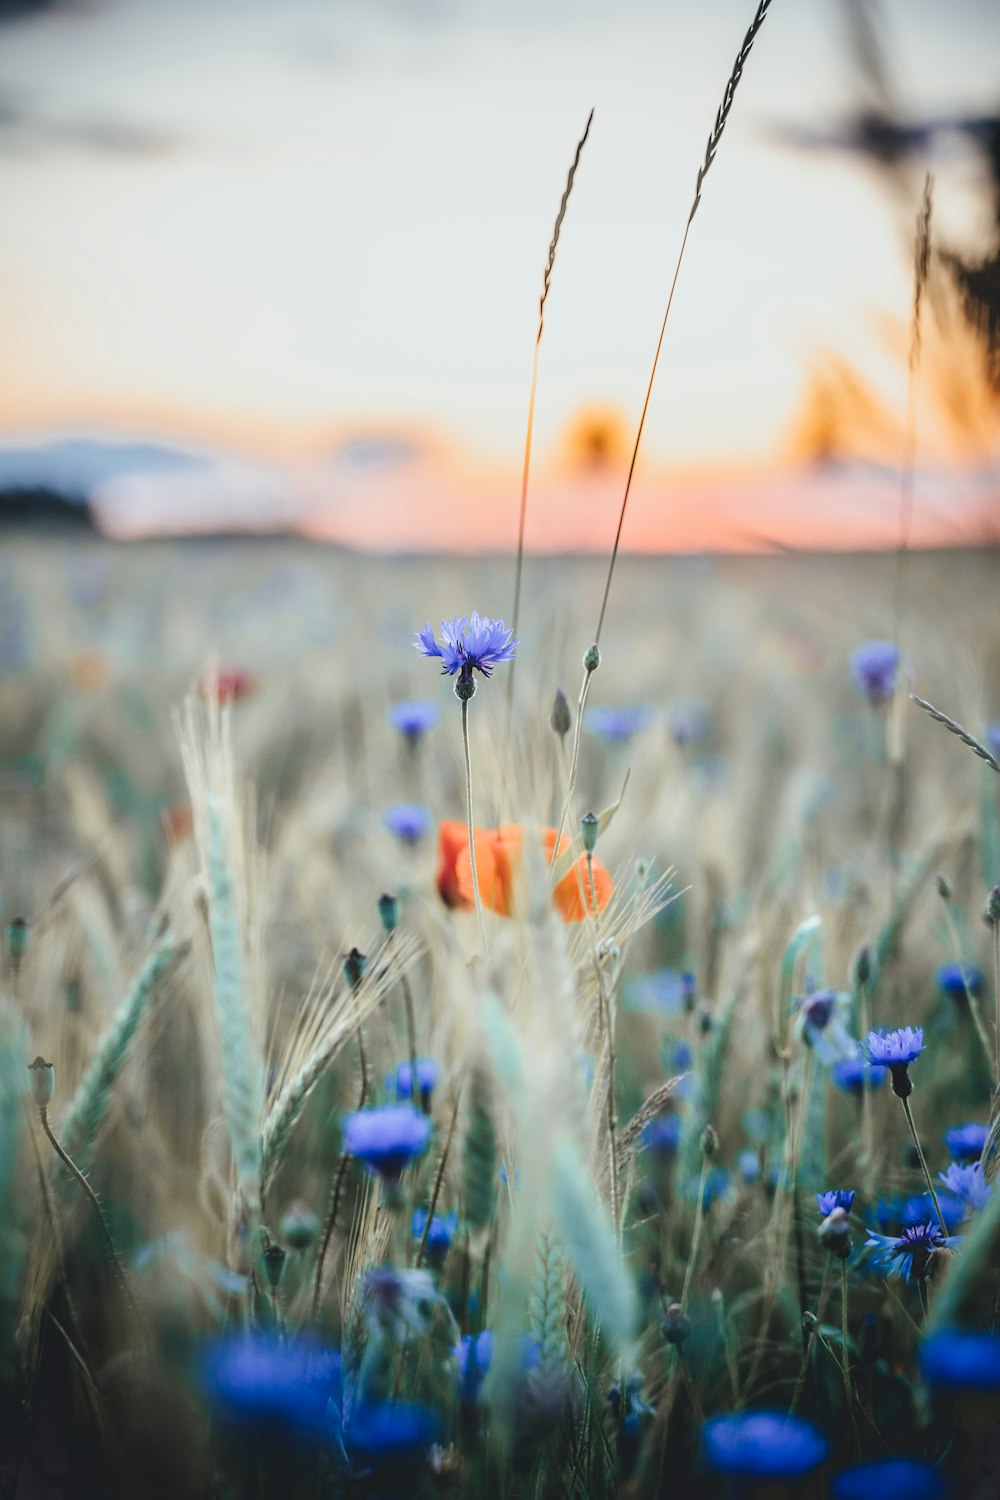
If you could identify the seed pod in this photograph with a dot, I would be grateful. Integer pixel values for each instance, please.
(560, 717)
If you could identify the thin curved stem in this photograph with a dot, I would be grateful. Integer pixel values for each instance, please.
(468, 814)
(114, 1257)
(923, 1165)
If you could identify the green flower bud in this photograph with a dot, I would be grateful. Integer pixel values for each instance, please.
(388, 910)
(589, 827)
(43, 1081)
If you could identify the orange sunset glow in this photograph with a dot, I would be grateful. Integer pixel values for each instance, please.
(285, 262)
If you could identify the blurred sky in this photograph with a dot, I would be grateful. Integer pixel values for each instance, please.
(268, 225)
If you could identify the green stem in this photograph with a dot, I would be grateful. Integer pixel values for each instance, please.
(574, 762)
(468, 815)
(846, 1358)
(923, 1165)
(114, 1257)
(696, 1237)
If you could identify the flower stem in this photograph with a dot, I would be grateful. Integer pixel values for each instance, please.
(846, 1358)
(696, 1237)
(438, 1178)
(923, 1165)
(992, 1054)
(996, 993)
(468, 814)
(113, 1255)
(574, 762)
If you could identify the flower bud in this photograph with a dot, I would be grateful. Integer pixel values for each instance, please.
(388, 910)
(355, 965)
(676, 1324)
(589, 827)
(863, 966)
(592, 660)
(992, 912)
(809, 1321)
(944, 887)
(17, 942)
(560, 717)
(274, 1265)
(299, 1227)
(835, 1233)
(43, 1081)
(709, 1141)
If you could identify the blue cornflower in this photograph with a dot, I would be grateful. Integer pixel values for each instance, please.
(663, 990)
(893, 1479)
(474, 1355)
(762, 1445)
(388, 1139)
(962, 1360)
(748, 1166)
(468, 644)
(896, 1050)
(874, 666)
(966, 1142)
(401, 1082)
(835, 1198)
(850, 1073)
(688, 721)
(413, 718)
(439, 1236)
(820, 1022)
(662, 1134)
(263, 1381)
(387, 1431)
(952, 979)
(409, 821)
(920, 1209)
(896, 1254)
(618, 725)
(967, 1183)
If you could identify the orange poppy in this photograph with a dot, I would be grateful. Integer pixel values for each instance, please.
(498, 855)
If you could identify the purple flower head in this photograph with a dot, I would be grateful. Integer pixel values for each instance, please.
(892, 1479)
(874, 667)
(688, 721)
(413, 718)
(762, 1445)
(900, 1255)
(401, 1082)
(409, 821)
(468, 643)
(961, 1360)
(967, 1183)
(850, 1073)
(820, 1022)
(618, 725)
(663, 1134)
(954, 979)
(966, 1142)
(264, 1382)
(992, 738)
(439, 1236)
(835, 1198)
(895, 1049)
(388, 1139)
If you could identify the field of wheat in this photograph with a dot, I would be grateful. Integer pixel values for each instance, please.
(241, 1254)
